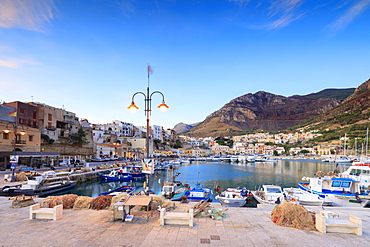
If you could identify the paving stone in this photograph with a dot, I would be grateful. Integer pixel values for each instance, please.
(242, 227)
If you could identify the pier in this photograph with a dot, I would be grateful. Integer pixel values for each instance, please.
(241, 227)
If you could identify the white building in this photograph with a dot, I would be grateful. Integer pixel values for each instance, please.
(157, 132)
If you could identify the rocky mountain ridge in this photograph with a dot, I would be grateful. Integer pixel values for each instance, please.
(267, 111)
(183, 127)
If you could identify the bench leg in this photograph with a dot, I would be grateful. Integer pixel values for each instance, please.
(161, 217)
(320, 223)
(191, 214)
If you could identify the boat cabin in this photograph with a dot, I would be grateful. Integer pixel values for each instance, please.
(273, 192)
(232, 193)
(329, 185)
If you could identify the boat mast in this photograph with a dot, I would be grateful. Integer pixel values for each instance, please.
(367, 140)
(344, 146)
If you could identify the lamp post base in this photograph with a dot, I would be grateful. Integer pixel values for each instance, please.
(13, 176)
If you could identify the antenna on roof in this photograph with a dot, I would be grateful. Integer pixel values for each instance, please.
(32, 99)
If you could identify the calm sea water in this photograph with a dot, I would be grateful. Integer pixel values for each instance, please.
(286, 173)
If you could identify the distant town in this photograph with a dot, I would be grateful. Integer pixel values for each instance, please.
(37, 130)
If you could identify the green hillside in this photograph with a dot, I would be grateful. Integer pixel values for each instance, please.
(339, 94)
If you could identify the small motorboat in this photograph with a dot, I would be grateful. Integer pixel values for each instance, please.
(233, 197)
(40, 185)
(174, 190)
(128, 189)
(303, 197)
(270, 194)
(199, 194)
(115, 176)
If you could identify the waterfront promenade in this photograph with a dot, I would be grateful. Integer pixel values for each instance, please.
(241, 227)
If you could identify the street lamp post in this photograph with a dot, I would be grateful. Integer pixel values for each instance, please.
(7, 131)
(148, 108)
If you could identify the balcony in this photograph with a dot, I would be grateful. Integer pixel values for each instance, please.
(19, 142)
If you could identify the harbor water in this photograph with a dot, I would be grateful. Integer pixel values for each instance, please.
(286, 173)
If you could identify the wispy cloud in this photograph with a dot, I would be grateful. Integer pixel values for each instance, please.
(242, 3)
(285, 12)
(350, 14)
(15, 62)
(26, 14)
(280, 13)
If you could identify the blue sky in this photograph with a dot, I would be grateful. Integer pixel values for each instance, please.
(91, 56)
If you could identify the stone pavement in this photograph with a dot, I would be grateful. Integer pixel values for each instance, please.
(241, 227)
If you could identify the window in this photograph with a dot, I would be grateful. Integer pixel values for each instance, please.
(34, 114)
(30, 138)
(346, 184)
(21, 110)
(50, 117)
(6, 136)
(335, 184)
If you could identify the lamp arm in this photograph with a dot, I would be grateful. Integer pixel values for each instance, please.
(155, 93)
(133, 96)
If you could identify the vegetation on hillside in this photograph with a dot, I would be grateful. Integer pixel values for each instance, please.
(224, 141)
(79, 137)
(339, 94)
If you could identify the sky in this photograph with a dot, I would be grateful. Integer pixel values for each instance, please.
(91, 56)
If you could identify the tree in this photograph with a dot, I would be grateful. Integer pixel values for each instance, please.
(47, 139)
(156, 143)
(304, 151)
(79, 137)
(178, 144)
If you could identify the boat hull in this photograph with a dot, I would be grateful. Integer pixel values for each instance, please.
(116, 178)
(43, 191)
(232, 202)
(123, 189)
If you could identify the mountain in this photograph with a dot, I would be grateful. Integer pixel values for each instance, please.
(266, 111)
(355, 109)
(183, 127)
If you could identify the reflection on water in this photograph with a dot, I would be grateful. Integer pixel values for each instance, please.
(285, 173)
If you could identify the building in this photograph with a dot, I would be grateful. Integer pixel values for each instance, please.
(56, 122)
(25, 114)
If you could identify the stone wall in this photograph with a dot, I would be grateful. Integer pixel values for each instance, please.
(68, 149)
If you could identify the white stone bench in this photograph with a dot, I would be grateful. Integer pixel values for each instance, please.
(55, 213)
(325, 225)
(177, 218)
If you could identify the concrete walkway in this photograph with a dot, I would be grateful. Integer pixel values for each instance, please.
(241, 227)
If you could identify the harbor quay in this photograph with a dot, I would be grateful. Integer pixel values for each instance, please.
(242, 226)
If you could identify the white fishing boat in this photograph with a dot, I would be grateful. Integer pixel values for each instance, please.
(234, 158)
(270, 194)
(233, 197)
(41, 185)
(349, 188)
(242, 158)
(304, 198)
(250, 158)
(265, 159)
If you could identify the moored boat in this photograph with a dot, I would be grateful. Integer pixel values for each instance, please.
(40, 185)
(199, 194)
(134, 171)
(269, 194)
(128, 189)
(234, 158)
(304, 198)
(174, 190)
(115, 175)
(233, 197)
(348, 188)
